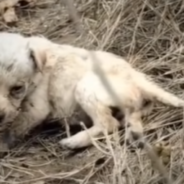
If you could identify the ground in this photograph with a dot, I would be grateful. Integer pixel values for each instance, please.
(150, 35)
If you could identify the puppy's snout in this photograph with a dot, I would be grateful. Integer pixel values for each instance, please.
(2, 116)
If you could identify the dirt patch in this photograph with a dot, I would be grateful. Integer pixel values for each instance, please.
(150, 32)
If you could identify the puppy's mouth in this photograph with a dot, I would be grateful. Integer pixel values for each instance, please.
(9, 139)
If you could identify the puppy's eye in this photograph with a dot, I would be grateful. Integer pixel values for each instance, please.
(16, 91)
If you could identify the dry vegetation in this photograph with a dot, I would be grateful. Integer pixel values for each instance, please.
(151, 32)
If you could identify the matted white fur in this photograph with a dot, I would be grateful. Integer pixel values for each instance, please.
(63, 78)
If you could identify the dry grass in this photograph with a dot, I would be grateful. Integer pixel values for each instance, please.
(149, 30)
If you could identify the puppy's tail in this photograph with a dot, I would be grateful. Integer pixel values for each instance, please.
(153, 91)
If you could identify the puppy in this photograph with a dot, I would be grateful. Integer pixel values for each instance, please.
(41, 79)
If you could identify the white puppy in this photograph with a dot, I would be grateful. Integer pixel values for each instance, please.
(40, 79)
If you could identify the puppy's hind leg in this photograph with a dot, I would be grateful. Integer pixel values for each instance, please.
(103, 122)
(134, 132)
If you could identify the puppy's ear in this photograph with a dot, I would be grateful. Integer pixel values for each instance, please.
(38, 57)
(42, 52)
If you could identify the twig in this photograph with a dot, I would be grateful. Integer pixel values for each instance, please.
(67, 127)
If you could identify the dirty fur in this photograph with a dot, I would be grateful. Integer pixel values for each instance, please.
(58, 78)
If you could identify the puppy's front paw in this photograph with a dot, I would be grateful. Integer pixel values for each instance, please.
(77, 141)
(69, 143)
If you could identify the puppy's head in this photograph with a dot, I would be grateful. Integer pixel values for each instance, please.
(19, 63)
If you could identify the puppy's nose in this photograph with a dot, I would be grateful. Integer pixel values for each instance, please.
(2, 116)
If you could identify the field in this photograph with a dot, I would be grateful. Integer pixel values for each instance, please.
(150, 34)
